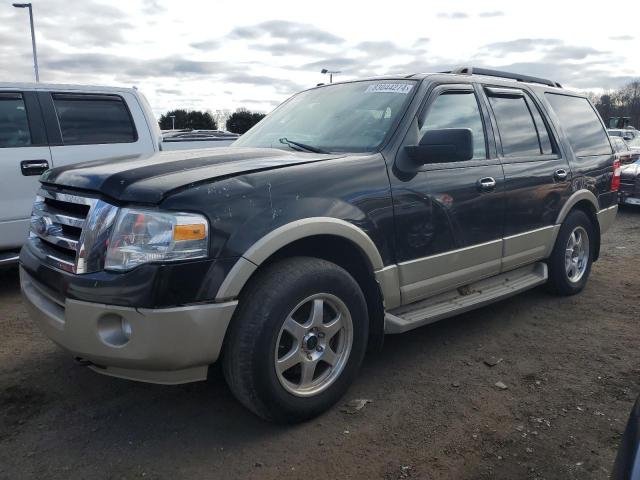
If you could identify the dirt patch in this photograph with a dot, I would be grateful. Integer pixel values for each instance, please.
(571, 367)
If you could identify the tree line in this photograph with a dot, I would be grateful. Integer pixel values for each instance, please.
(623, 102)
(238, 122)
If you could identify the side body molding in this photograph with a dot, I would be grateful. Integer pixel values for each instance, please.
(260, 251)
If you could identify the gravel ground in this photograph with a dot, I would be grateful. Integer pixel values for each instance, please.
(571, 367)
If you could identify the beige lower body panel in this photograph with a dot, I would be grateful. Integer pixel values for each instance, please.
(528, 247)
(169, 345)
(432, 275)
(606, 217)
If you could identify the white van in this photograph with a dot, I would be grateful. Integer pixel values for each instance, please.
(44, 126)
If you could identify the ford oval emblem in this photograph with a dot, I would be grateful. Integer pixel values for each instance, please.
(40, 225)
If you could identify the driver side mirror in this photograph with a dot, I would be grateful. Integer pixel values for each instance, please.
(442, 146)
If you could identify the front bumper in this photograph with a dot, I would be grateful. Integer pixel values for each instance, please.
(167, 345)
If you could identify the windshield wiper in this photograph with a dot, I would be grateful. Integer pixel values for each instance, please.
(308, 148)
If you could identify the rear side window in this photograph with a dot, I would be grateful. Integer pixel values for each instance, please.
(93, 119)
(518, 133)
(581, 124)
(14, 124)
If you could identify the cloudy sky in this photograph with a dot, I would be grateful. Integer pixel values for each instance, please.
(222, 54)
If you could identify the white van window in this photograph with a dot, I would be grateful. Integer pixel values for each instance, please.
(14, 125)
(93, 119)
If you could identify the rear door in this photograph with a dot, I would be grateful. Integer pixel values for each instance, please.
(24, 155)
(94, 126)
(537, 176)
(449, 215)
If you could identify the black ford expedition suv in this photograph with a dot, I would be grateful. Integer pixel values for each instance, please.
(352, 211)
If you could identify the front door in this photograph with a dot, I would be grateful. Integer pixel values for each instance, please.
(449, 216)
(24, 156)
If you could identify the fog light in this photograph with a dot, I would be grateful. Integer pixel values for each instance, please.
(114, 330)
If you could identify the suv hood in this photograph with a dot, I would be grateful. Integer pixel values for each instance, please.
(150, 178)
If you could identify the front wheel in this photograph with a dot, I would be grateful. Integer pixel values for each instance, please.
(572, 256)
(297, 339)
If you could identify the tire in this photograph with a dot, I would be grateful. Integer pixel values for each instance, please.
(562, 279)
(295, 288)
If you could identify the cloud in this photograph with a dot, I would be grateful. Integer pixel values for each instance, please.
(281, 49)
(622, 38)
(206, 45)
(153, 7)
(589, 75)
(495, 13)
(286, 30)
(453, 15)
(567, 52)
(279, 84)
(86, 26)
(382, 48)
(521, 45)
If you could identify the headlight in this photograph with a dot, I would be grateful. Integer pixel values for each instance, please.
(143, 236)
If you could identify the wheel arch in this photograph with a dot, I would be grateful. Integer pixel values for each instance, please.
(331, 239)
(587, 202)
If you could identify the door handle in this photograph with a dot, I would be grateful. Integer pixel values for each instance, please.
(486, 184)
(561, 174)
(33, 167)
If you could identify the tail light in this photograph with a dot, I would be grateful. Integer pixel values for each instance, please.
(615, 180)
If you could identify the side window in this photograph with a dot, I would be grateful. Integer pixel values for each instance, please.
(14, 124)
(93, 119)
(581, 124)
(517, 129)
(457, 110)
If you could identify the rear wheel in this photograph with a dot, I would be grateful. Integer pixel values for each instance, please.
(297, 340)
(572, 256)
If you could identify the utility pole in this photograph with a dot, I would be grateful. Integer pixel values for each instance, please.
(33, 36)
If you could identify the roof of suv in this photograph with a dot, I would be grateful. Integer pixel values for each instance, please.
(496, 77)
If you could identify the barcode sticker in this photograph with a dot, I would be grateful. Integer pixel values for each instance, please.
(403, 88)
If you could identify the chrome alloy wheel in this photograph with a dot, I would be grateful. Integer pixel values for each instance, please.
(313, 345)
(576, 256)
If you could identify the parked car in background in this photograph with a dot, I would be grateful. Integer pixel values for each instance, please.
(625, 154)
(626, 133)
(44, 126)
(629, 135)
(186, 139)
(630, 184)
(354, 210)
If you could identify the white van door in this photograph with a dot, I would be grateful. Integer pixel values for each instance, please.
(96, 126)
(24, 156)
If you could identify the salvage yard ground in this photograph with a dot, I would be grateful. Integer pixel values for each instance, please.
(571, 367)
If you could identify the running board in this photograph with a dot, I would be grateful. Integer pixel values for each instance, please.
(464, 298)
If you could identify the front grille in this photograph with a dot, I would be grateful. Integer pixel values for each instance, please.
(70, 231)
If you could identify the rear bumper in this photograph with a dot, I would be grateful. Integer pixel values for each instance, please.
(168, 345)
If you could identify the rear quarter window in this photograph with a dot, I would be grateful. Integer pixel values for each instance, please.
(581, 124)
(94, 119)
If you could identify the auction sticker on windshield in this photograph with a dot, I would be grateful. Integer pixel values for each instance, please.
(403, 88)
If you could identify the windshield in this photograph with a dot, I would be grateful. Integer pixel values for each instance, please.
(348, 117)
